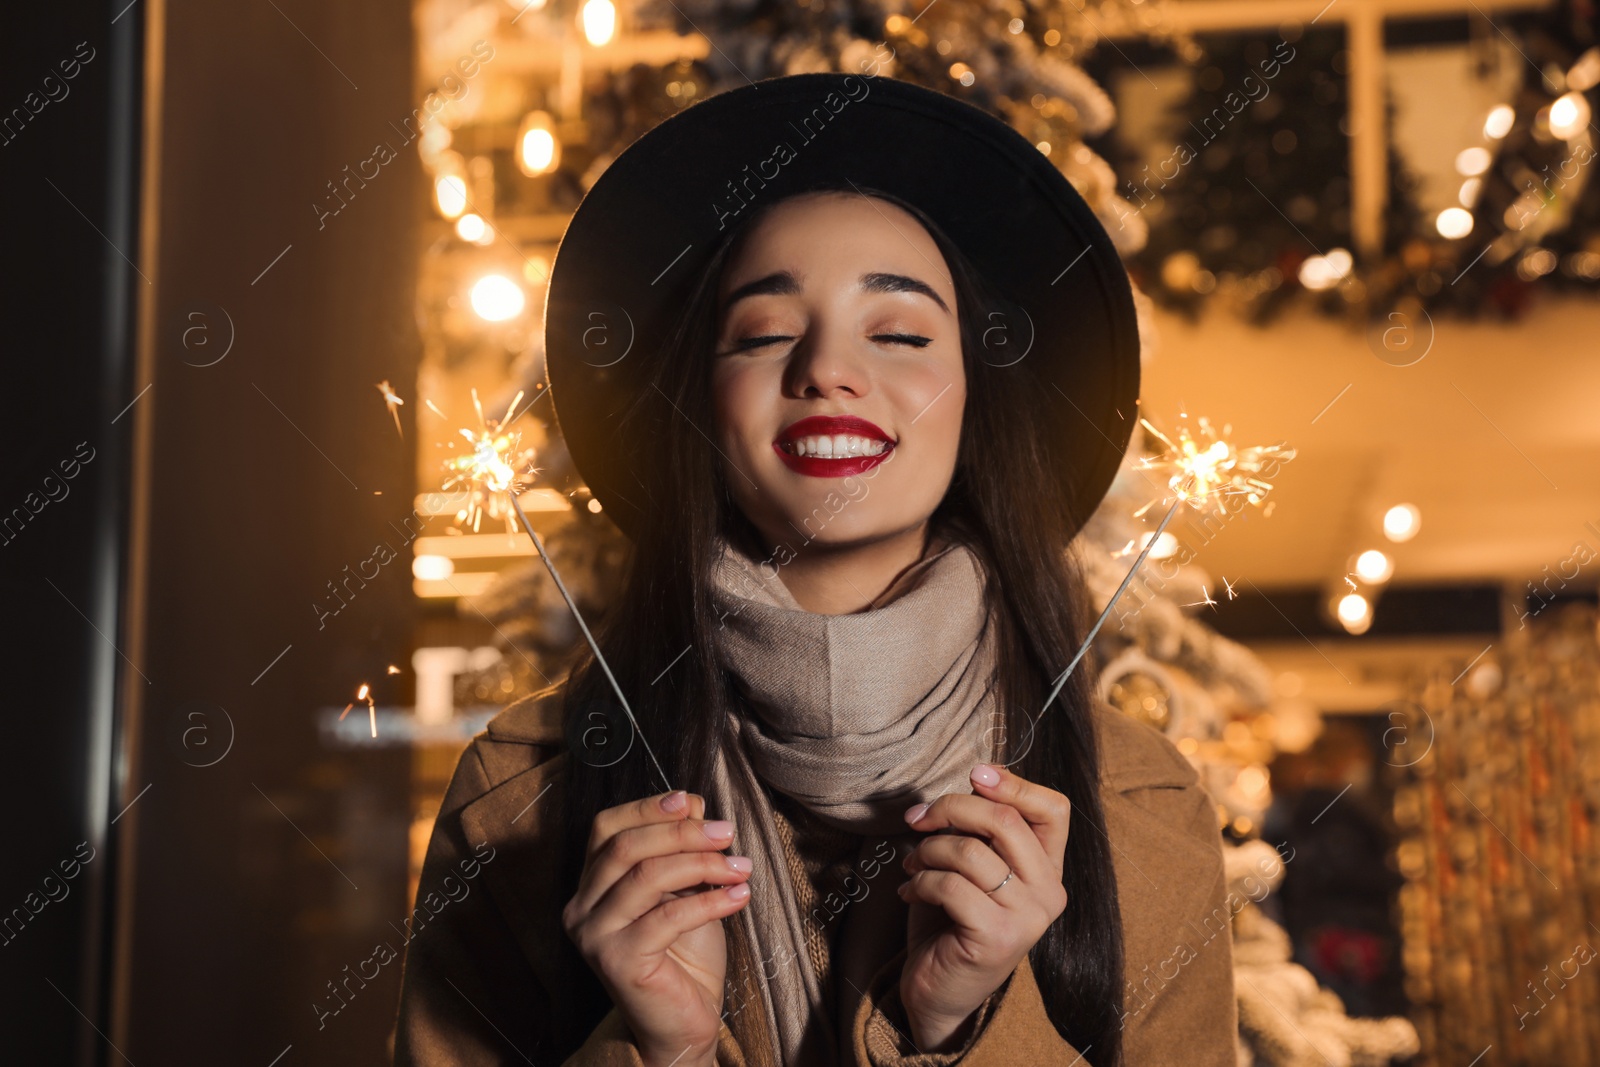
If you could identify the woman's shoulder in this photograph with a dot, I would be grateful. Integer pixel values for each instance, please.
(1135, 755)
(526, 733)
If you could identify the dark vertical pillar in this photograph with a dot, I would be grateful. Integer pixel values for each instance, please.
(69, 103)
(270, 571)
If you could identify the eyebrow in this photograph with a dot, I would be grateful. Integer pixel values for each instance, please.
(784, 283)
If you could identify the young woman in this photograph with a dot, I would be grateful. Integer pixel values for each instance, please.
(839, 824)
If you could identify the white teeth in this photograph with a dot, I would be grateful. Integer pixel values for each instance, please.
(836, 446)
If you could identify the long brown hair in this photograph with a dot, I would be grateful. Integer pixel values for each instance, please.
(1006, 512)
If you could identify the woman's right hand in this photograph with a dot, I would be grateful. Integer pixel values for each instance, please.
(654, 940)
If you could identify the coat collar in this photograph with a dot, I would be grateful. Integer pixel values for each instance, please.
(519, 816)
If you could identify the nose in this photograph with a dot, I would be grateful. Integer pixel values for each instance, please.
(823, 366)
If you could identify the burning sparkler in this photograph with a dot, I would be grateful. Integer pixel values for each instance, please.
(1215, 466)
(491, 471)
(363, 696)
(1200, 469)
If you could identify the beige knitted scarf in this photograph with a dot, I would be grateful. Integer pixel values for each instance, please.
(856, 717)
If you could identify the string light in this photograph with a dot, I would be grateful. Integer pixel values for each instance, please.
(1401, 522)
(1499, 122)
(1453, 223)
(497, 298)
(599, 21)
(1568, 116)
(1354, 613)
(1374, 566)
(538, 151)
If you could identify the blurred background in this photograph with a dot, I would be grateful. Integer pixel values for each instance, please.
(269, 260)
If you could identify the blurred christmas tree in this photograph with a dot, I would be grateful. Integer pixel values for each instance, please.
(1256, 200)
(1254, 204)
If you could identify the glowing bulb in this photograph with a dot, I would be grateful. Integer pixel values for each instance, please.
(599, 21)
(450, 193)
(1469, 191)
(1498, 124)
(434, 140)
(1324, 272)
(1471, 161)
(471, 227)
(1453, 222)
(497, 298)
(1569, 116)
(538, 151)
(1355, 614)
(1401, 522)
(432, 568)
(1166, 545)
(1252, 781)
(1374, 566)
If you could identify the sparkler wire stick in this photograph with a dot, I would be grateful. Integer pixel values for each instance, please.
(594, 646)
(1083, 649)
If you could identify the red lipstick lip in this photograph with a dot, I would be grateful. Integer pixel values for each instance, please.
(828, 467)
(820, 425)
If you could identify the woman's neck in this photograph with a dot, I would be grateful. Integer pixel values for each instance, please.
(840, 580)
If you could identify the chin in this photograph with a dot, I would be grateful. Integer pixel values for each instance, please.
(856, 524)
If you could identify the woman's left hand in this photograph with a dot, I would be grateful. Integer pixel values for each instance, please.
(964, 936)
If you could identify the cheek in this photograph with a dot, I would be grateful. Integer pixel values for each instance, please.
(935, 401)
(740, 397)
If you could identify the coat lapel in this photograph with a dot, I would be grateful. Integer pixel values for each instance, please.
(520, 818)
(1166, 877)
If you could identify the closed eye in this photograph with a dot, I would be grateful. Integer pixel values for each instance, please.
(912, 339)
(744, 344)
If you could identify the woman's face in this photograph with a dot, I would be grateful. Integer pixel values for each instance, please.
(838, 376)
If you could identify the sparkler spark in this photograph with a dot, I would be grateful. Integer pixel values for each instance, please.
(491, 474)
(393, 402)
(490, 470)
(363, 695)
(1216, 467)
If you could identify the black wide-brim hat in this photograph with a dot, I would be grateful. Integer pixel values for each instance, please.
(633, 252)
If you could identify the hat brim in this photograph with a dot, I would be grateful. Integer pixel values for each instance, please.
(634, 250)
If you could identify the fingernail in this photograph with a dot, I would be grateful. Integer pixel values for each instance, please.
(916, 812)
(984, 774)
(676, 800)
(741, 864)
(901, 888)
(719, 828)
(740, 891)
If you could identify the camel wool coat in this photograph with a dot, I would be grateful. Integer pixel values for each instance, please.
(490, 976)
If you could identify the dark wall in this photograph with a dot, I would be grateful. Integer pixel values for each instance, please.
(165, 649)
(263, 870)
(68, 141)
